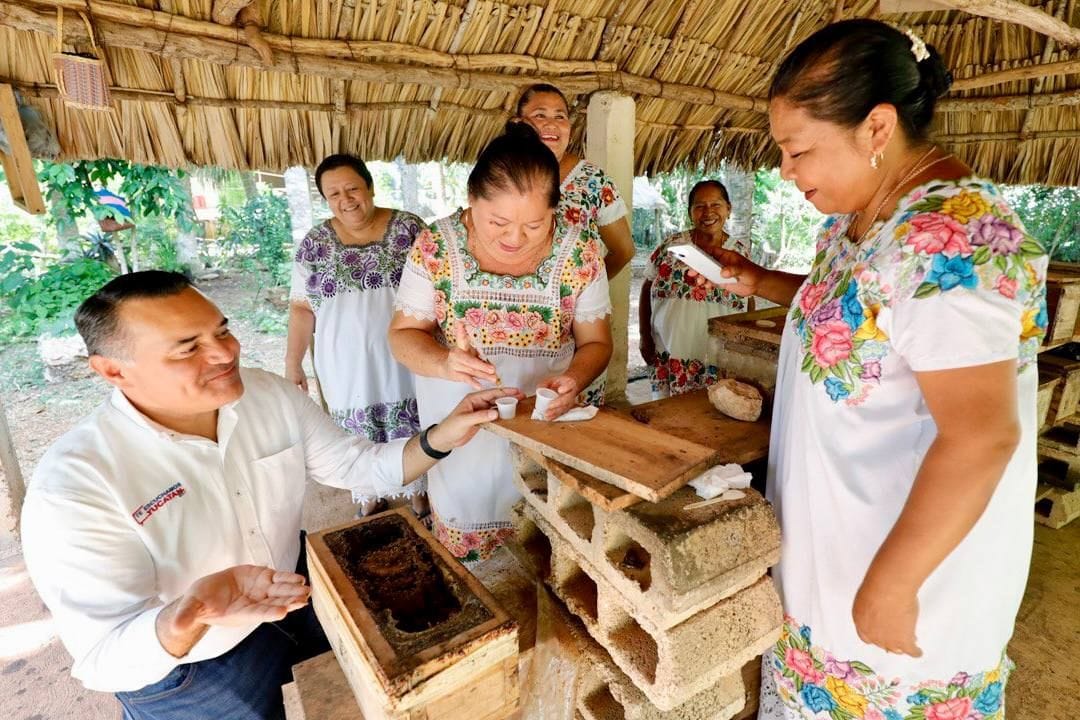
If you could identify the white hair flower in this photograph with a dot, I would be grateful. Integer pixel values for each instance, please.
(918, 47)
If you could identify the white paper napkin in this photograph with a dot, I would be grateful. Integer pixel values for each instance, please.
(587, 412)
(720, 479)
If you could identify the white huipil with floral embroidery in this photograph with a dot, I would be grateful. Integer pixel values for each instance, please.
(588, 196)
(680, 319)
(524, 327)
(950, 281)
(350, 288)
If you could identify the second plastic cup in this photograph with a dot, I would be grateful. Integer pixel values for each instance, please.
(544, 396)
(507, 407)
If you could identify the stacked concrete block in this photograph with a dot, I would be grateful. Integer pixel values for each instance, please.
(603, 690)
(678, 598)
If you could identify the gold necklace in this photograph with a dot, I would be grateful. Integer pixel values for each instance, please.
(917, 169)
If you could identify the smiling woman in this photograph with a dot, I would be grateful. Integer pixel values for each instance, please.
(505, 291)
(902, 460)
(674, 311)
(345, 273)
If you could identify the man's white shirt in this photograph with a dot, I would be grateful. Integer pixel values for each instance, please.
(123, 515)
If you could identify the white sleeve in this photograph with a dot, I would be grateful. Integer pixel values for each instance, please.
(593, 303)
(340, 459)
(99, 582)
(957, 328)
(298, 285)
(612, 208)
(416, 292)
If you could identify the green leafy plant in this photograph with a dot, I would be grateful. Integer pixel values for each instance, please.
(150, 191)
(259, 234)
(1052, 216)
(34, 301)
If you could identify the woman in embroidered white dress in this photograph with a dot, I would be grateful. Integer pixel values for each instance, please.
(504, 291)
(588, 194)
(902, 462)
(345, 274)
(674, 311)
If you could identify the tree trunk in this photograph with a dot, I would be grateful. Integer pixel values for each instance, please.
(740, 187)
(251, 190)
(410, 186)
(67, 231)
(299, 198)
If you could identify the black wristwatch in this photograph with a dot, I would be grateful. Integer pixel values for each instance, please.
(426, 446)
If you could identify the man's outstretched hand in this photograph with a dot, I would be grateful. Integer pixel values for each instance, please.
(240, 595)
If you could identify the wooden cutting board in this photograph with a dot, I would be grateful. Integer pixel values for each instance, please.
(692, 417)
(613, 448)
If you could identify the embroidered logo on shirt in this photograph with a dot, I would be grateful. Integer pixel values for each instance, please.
(143, 512)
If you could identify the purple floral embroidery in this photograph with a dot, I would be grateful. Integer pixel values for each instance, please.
(333, 268)
(871, 370)
(1002, 237)
(381, 422)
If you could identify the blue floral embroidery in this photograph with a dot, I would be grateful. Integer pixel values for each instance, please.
(989, 700)
(817, 698)
(836, 389)
(950, 272)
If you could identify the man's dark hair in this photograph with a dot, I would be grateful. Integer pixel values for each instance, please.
(514, 162)
(97, 317)
(340, 160)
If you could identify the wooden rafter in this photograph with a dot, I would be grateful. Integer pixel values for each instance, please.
(176, 45)
(137, 17)
(18, 164)
(49, 92)
(1011, 11)
(999, 77)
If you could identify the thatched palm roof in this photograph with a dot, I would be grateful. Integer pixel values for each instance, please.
(434, 80)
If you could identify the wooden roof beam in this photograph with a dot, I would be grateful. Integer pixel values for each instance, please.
(171, 24)
(231, 52)
(998, 77)
(1011, 11)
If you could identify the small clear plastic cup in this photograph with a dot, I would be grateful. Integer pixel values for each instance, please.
(507, 407)
(544, 396)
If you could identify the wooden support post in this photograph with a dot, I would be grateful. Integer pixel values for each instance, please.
(14, 489)
(19, 165)
(609, 142)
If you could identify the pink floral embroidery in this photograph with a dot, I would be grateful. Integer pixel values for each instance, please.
(802, 663)
(954, 709)
(934, 233)
(1006, 286)
(832, 343)
(811, 297)
(474, 317)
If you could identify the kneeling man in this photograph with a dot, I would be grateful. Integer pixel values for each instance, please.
(163, 531)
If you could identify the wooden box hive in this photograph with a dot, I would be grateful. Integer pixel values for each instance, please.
(417, 636)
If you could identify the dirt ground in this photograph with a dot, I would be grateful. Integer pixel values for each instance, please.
(35, 683)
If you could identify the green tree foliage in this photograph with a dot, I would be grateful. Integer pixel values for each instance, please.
(260, 232)
(785, 225)
(150, 191)
(1052, 216)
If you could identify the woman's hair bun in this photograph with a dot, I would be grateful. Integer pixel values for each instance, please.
(935, 74)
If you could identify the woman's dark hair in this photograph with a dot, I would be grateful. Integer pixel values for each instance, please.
(539, 89)
(842, 71)
(708, 183)
(97, 318)
(340, 160)
(516, 160)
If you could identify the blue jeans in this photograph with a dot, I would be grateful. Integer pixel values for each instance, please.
(244, 683)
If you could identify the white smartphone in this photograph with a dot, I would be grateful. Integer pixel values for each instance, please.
(700, 261)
